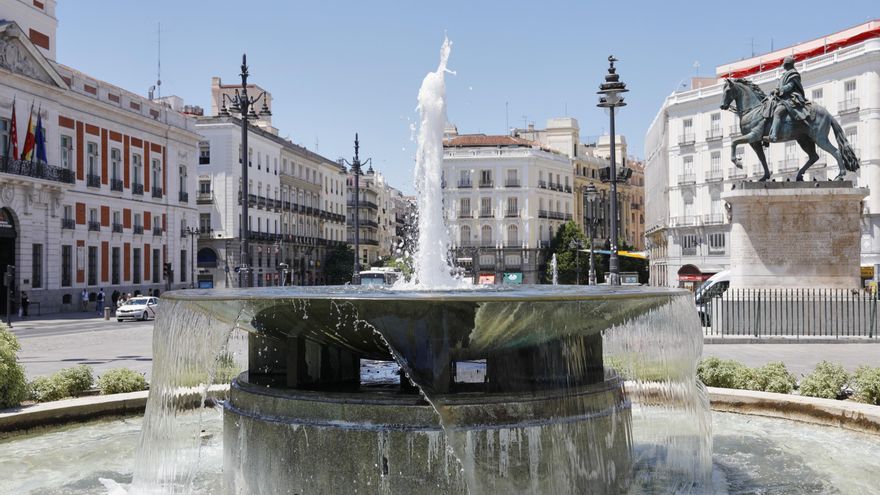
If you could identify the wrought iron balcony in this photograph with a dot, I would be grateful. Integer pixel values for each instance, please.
(511, 183)
(93, 180)
(713, 219)
(543, 214)
(205, 197)
(511, 213)
(156, 192)
(683, 221)
(736, 173)
(137, 189)
(686, 139)
(465, 184)
(485, 213)
(68, 223)
(94, 226)
(117, 228)
(735, 130)
(183, 196)
(158, 231)
(568, 189)
(849, 105)
(115, 185)
(714, 175)
(138, 229)
(789, 165)
(686, 179)
(487, 243)
(37, 170)
(542, 184)
(714, 134)
(486, 184)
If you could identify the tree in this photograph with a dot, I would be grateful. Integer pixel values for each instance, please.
(566, 257)
(339, 265)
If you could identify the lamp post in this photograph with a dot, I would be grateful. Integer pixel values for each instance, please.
(591, 195)
(577, 245)
(610, 98)
(355, 165)
(243, 105)
(192, 233)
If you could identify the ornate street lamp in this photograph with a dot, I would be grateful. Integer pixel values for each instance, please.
(611, 98)
(192, 233)
(243, 105)
(355, 165)
(591, 196)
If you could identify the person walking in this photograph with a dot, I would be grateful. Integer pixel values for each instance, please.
(99, 305)
(114, 298)
(25, 302)
(84, 298)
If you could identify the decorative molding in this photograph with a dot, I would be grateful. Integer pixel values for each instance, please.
(14, 58)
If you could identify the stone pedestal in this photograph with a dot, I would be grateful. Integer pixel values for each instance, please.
(795, 234)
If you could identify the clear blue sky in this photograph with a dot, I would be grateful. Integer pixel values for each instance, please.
(336, 68)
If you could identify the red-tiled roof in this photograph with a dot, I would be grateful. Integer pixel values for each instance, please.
(475, 140)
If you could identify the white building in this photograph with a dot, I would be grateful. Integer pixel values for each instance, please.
(109, 206)
(378, 207)
(505, 198)
(688, 151)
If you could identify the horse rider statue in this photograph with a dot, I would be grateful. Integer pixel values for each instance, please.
(787, 97)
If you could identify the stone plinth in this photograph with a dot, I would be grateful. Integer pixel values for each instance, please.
(795, 234)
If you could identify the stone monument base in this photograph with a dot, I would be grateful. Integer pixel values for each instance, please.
(795, 234)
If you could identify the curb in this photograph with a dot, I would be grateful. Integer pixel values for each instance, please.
(86, 408)
(789, 340)
(855, 416)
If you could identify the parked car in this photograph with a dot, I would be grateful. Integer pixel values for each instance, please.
(713, 287)
(138, 308)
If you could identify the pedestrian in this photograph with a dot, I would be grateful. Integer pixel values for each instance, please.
(99, 305)
(114, 298)
(84, 297)
(25, 302)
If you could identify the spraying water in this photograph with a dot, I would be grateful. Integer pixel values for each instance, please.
(553, 270)
(431, 267)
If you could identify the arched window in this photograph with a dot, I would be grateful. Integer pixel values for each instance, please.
(512, 236)
(486, 235)
(207, 258)
(465, 236)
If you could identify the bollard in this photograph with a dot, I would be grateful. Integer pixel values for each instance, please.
(107, 313)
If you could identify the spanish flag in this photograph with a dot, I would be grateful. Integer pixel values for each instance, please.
(27, 152)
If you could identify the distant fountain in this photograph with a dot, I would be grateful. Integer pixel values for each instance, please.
(554, 272)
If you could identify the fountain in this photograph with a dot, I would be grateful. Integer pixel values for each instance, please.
(554, 270)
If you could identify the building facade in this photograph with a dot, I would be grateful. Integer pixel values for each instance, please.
(688, 149)
(108, 206)
(379, 218)
(504, 200)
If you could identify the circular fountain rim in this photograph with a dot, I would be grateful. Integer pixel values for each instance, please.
(498, 293)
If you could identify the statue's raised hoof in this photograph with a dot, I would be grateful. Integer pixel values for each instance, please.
(765, 178)
(840, 176)
(799, 178)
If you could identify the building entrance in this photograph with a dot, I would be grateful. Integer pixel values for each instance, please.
(7, 253)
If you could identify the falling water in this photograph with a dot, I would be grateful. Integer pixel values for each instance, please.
(553, 270)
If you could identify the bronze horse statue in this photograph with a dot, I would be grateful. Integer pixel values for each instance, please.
(750, 101)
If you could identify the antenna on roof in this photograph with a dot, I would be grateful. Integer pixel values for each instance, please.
(158, 60)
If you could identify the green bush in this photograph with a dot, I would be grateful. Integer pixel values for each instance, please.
(866, 381)
(69, 382)
(226, 369)
(826, 381)
(13, 384)
(120, 381)
(724, 373)
(772, 377)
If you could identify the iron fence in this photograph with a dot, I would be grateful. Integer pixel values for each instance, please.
(792, 312)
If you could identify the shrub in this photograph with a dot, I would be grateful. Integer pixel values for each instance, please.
(226, 369)
(120, 381)
(826, 381)
(866, 381)
(69, 382)
(13, 384)
(772, 377)
(724, 373)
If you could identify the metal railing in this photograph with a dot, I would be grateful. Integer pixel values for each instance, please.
(686, 139)
(465, 184)
(94, 226)
(713, 218)
(485, 213)
(714, 175)
(156, 192)
(93, 180)
(542, 184)
(158, 231)
(683, 221)
(137, 189)
(137, 229)
(115, 185)
(791, 312)
(788, 165)
(183, 196)
(117, 228)
(511, 213)
(68, 223)
(37, 170)
(736, 173)
(848, 105)
(684, 179)
(487, 183)
(511, 183)
(714, 134)
(735, 130)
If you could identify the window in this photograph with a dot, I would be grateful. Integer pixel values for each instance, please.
(465, 235)
(66, 265)
(157, 266)
(93, 265)
(852, 135)
(512, 206)
(93, 215)
(37, 266)
(114, 266)
(512, 178)
(182, 177)
(687, 167)
(68, 212)
(137, 167)
(92, 158)
(66, 152)
(115, 164)
(117, 218)
(485, 207)
(157, 174)
(716, 243)
(136, 265)
(205, 222)
(512, 236)
(849, 90)
(486, 235)
(816, 95)
(205, 186)
(485, 177)
(687, 126)
(689, 244)
(5, 125)
(464, 207)
(205, 153)
(715, 163)
(183, 256)
(137, 220)
(715, 123)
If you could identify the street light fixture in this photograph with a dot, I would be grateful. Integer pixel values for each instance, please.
(591, 196)
(355, 165)
(610, 97)
(192, 233)
(243, 105)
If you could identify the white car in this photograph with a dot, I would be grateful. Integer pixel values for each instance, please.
(138, 308)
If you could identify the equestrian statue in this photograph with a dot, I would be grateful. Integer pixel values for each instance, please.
(785, 115)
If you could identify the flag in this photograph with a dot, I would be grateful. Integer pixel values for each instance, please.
(27, 151)
(12, 148)
(40, 138)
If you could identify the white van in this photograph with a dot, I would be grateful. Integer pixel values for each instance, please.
(713, 287)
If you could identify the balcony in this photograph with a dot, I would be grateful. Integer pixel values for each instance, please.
(486, 184)
(683, 221)
(687, 139)
(183, 197)
(361, 204)
(205, 233)
(68, 223)
(511, 213)
(465, 184)
(687, 179)
(511, 183)
(115, 185)
(158, 231)
(94, 226)
(205, 197)
(542, 184)
(117, 228)
(788, 165)
(713, 219)
(366, 223)
(714, 134)
(93, 180)
(714, 175)
(137, 189)
(849, 105)
(261, 202)
(689, 251)
(735, 130)
(543, 214)
(736, 173)
(568, 189)
(485, 213)
(156, 192)
(37, 170)
(138, 229)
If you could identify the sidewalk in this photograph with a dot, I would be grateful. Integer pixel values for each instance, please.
(54, 319)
